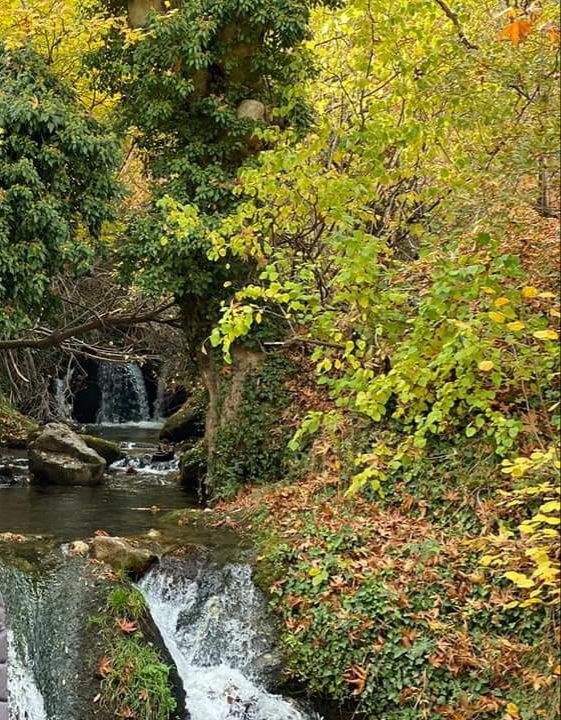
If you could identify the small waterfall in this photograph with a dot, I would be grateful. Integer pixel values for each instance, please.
(26, 701)
(47, 617)
(123, 394)
(63, 406)
(217, 630)
(160, 399)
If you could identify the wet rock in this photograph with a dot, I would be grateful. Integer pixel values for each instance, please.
(193, 467)
(59, 456)
(188, 422)
(109, 451)
(122, 555)
(7, 476)
(79, 547)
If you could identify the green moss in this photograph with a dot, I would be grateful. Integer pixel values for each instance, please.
(193, 466)
(253, 446)
(14, 427)
(135, 681)
(188, 421)
(109, 451)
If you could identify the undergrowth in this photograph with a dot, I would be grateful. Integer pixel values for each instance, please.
(384, 602)
(135, 681)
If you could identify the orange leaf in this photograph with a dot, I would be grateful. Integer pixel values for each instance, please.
(127, 626)
(356, 676)
(104, 666)
(517, 31)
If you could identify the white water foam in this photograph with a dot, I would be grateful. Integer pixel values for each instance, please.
(26, 701)
(214, 633)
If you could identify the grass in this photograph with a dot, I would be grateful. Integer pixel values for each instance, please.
(135, 681)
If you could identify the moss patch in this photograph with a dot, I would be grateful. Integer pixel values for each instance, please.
(135, 680)
(14, 427)
(109, 451)
(252, 447)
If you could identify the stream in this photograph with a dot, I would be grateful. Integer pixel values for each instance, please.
(210, 615)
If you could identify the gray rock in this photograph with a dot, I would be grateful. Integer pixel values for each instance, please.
(58, 456)
(251, 110)
(122, 555)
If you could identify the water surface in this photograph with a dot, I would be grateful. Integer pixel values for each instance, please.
(125, 504)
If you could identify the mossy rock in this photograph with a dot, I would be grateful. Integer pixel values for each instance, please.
(14, 427)
(187, 422)
(193, 466)
(109, 451)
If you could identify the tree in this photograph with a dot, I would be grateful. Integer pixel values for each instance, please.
(57, 186)
(373, 233)
(196, 87)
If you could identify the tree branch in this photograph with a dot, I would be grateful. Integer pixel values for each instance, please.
(52, 338)
(451, 15)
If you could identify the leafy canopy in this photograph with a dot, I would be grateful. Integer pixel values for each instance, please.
(57, 185)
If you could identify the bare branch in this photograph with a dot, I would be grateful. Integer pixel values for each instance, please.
(451, 15)
(52, 338)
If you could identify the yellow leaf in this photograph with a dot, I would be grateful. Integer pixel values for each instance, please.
(516, 326)
(486, 365)
(512, 709)
(546, 335)
(488, 290)
(529, 292)
(546, 294)
(554, 313)
(551, 506)
(497, 317)
(499, 302)
(314, 571)
(519, 579)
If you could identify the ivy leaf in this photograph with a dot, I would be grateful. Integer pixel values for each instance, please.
(519, 579)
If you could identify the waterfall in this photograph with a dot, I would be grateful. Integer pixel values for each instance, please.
(123, 394)
(26, 701)
(214, 623)
(63, 406)
(48, 676)
(160, 399)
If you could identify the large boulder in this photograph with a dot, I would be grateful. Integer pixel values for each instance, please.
(122, 554)
(188, 422)
(59, 456)
(109, 451)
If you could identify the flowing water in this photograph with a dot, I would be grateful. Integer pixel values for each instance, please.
(215, 625)
(125, 504)
(123, 394)
(210, 615)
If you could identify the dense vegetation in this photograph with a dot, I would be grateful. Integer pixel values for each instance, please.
(355, 208)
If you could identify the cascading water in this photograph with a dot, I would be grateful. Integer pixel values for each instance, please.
(160, 399)
(123, 394)
(47, 641)
(63, 406)
(215, 625)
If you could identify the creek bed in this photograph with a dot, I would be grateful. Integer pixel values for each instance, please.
(127, 503)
